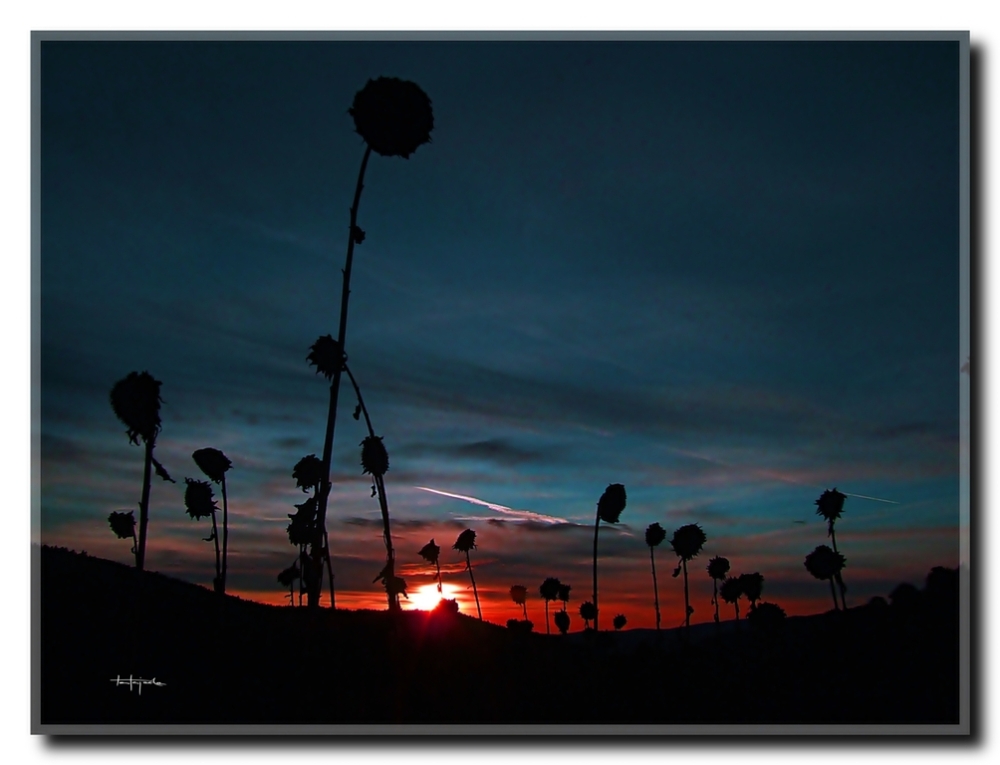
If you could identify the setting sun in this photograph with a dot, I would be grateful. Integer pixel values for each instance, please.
(427, 596)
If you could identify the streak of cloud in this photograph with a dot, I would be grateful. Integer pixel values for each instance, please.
(523, 515)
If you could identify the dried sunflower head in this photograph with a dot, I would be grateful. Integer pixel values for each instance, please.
(619, 621)
(136, 401)
(550, 589)
(430, 552)
(588, 611)
(562, 621)
(394, 116)
(718, 567)
(289, 575)
(830, 504)
(374, 457)
(612, 503)
(213, 463)
(752, 585)
(308, 472)
(326, 355)
(688, 541)
(824, 563)
(519, 594)
(198, 499)
(731, 590)
(466, 541)
(302, 530)
(123, 523)
(655, 534)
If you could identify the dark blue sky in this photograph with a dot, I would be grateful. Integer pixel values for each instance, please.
(723, 274)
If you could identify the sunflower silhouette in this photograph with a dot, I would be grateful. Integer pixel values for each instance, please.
(135, 400)
(465, 543)
(717, 569)
(609, 509)
(687, 543)
(215, 465)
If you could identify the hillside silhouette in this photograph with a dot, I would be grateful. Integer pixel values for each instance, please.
(228, 660)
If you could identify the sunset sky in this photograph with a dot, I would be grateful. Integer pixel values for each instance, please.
(725, 275)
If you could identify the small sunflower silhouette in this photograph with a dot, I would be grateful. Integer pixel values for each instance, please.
(326, 355)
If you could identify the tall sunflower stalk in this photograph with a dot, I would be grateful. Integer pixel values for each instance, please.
(394, 117)
(609, 509)
(215, 465)
(136, 401)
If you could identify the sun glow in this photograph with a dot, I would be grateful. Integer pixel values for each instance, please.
(427, 596)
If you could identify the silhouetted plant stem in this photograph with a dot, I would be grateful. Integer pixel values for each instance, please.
(715, 598)
(302, 568)
(597, 528)
(331, 420)
(687, 601)
(329, 569)
(833, 591)
(383, 502)
(656, 593)
(468, 564)
(218, 557)
(225, 532)
(837, 576)
(140, 558)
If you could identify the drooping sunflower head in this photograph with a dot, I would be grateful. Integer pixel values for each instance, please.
(326, 355)
(289, 575)
(619, 621)
(395, 585)
(612, 503)
(564, 592)
(718, 567)
(374, 457)
(308, 472)
(430, 552)
(213, 463)
(466, 541)
(303, 529)
(688, 541)
(123, 523)
(588, 611)
(136, 401)
(394, 116)
(198, 499)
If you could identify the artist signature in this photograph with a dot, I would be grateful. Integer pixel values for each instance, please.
(133, 682)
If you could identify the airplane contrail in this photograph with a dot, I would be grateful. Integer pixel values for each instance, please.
(524, 515)
(876, 499)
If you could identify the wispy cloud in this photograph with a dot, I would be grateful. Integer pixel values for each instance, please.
(515, 515)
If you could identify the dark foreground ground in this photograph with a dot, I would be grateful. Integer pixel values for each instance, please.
(234, 661)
